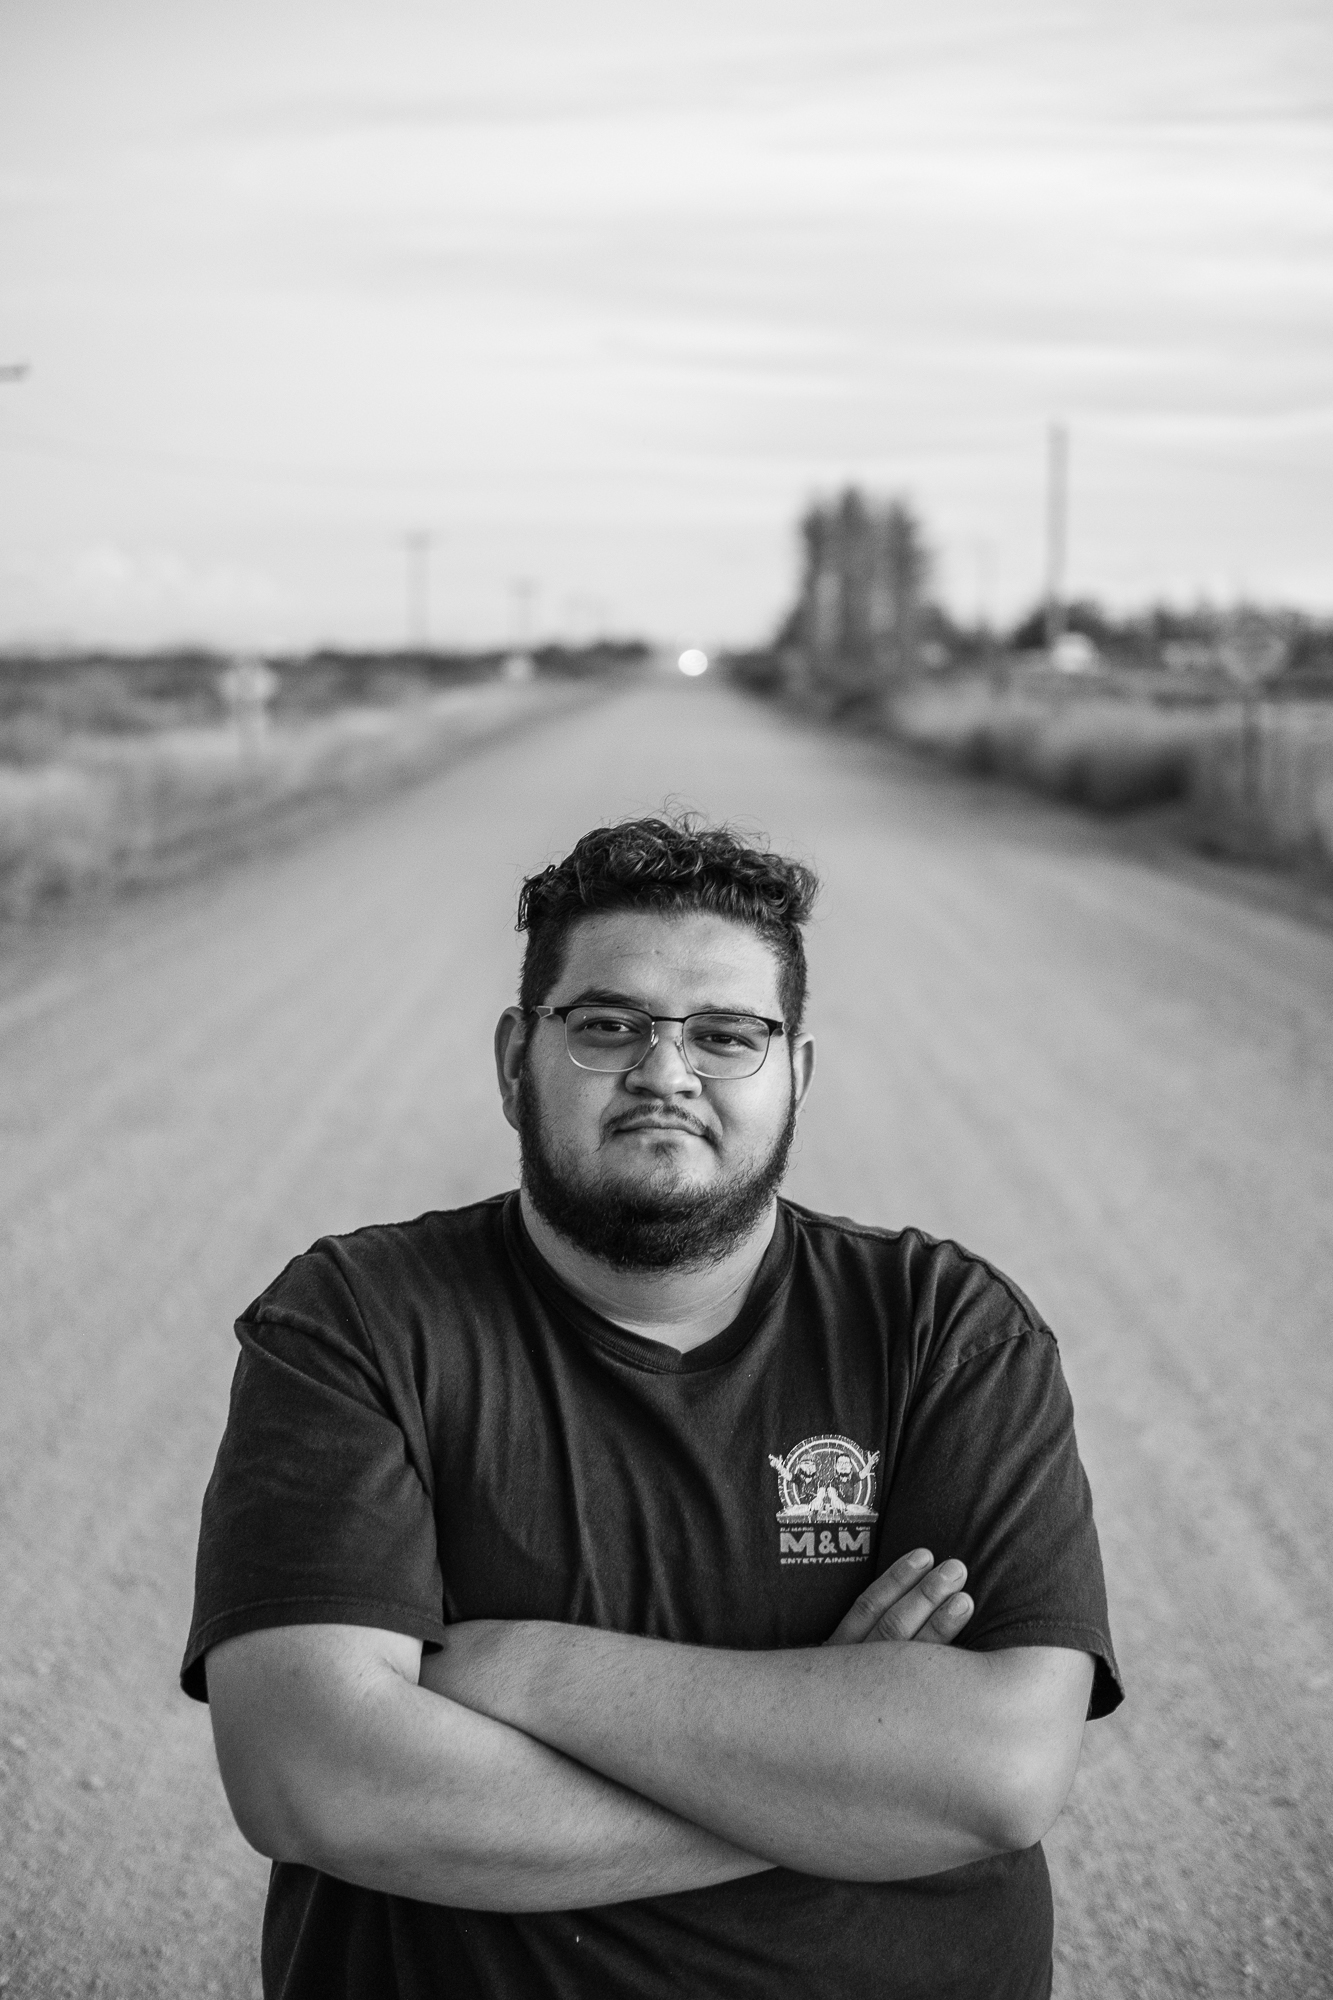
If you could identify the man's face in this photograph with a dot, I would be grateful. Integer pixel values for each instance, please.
(656, 1165)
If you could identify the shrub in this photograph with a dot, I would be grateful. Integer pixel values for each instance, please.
(1112, 755)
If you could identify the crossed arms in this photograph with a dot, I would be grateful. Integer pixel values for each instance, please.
(538, 1766)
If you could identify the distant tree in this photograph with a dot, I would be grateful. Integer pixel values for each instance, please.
(906, 576)
(865, 571)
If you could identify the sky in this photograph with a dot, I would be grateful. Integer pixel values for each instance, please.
(601, 297)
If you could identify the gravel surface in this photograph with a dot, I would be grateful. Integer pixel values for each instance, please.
(1114, 1080)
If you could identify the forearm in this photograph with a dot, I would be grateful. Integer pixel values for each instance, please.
(396, 1789)
(874, 1762)
(513, 1824)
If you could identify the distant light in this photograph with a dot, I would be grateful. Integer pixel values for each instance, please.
(693, 662)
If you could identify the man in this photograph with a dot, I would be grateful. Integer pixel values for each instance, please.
(566, 1592)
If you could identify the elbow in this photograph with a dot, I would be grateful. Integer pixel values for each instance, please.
(297, 1720)
(1023, 1801)
(269, 1810)
(1031, 1757)
(283, 1825)
(1018, 1822)
(306, 1811)
(288, 1806)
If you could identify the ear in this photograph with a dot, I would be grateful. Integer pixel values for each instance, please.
(802, 1067)
(511, 1035)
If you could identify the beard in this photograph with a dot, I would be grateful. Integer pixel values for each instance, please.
(648, 1228)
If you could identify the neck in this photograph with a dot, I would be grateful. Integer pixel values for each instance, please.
(680, 1308)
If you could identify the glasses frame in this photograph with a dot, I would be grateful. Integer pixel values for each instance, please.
(655, 1021)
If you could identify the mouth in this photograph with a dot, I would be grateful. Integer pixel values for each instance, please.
(654, 1121)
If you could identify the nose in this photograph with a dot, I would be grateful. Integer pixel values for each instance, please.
(664, 1071)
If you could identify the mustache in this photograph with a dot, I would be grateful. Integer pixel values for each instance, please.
(647, 1120)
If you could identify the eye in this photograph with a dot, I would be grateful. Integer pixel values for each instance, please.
(722, 1033)
(607, 1026)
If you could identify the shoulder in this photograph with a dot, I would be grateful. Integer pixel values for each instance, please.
(385, 1270)
(956, 1303)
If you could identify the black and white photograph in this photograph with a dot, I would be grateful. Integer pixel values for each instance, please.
(666, 1001)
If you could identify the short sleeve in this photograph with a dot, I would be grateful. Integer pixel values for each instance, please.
(990, 1472)
(317, 1511)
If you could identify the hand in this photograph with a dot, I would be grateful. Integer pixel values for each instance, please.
(911, 1600)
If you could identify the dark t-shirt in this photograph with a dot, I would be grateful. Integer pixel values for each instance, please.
(427, 1427)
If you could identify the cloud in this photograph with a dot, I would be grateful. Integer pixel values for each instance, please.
(546, 274)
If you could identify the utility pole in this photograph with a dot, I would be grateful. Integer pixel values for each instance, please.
(524, 591)
(417, 545)
(1057, 529)
(983, 557)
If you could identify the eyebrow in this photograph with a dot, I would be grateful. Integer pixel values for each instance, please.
(610, 996)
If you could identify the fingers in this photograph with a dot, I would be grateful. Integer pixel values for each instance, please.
(912, 1600)
(936, 1609)
(880, 1596)
(944, 1625)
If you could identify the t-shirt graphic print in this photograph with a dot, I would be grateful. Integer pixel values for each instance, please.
(827, 1486)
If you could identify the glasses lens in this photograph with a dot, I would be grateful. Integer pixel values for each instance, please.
(725, 1044)
(610, 1038)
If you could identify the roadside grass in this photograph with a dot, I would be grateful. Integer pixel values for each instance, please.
(1256, 779)
(1102, 752)
(123, 796)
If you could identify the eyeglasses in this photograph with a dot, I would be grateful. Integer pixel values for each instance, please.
(618, 1039)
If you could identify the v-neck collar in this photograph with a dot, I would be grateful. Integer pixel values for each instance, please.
(635, 1349)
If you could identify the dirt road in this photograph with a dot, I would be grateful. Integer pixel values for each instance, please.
(1115, 1082)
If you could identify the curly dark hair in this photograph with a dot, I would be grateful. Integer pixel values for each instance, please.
(674, 866)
